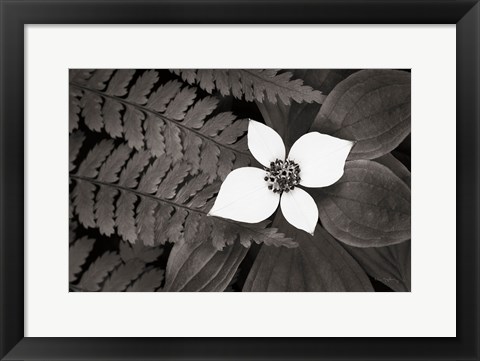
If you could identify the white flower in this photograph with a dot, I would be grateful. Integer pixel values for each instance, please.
(251, 194)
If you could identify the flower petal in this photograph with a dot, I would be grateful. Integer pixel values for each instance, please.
(299, 209)
(264, 143)
(244, 196)
(321, 158)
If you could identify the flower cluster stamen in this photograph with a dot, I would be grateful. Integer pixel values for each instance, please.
(282, 176)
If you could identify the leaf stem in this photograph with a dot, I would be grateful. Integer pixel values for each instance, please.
(148, 110)
(117, 186)
(138, 193)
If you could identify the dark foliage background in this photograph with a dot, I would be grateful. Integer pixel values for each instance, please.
(109, 262)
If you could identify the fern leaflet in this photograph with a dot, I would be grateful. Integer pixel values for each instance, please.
(79, 252)
(154, 200)
(164, 118)
(252, 84)
(128, 269)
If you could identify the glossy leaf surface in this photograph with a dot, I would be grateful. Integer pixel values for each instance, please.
(368, 207)
(371, 107)
(319, 263)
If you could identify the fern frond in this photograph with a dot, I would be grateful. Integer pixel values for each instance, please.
(178, 106)
(197, 114)
(163, 118)
(115, 162)
(138, 251)
(123, 276)
(132, 126)
(139, 91)
(74, 145)
(99, 78)
(90, 103)
(79, 251)
(145, 220)
(74, 109)
(83, 203)
(80, 76)
(95, 158)
(150, 281)
(154, 201)
(119, 82)
(252, 84)
(72, 231)
(94, 276)
(128, 269)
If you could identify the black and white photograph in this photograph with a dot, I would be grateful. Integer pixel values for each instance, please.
(239, 180)
(258, 147)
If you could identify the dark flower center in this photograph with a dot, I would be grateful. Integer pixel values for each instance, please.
(282, 176)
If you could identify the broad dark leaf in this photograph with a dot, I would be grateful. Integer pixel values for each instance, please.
(396, 167)
(302, 115)
(368, 207)
(275, 116)
(324, 80)
(300, 119)
(389, 265)
(403, 151)
(319, 263)
(371, 107)
(201, 267)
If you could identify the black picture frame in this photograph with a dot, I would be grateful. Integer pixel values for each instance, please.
(15, 14)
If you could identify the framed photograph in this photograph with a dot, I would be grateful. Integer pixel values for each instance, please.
(239, 180)
(161, 157)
